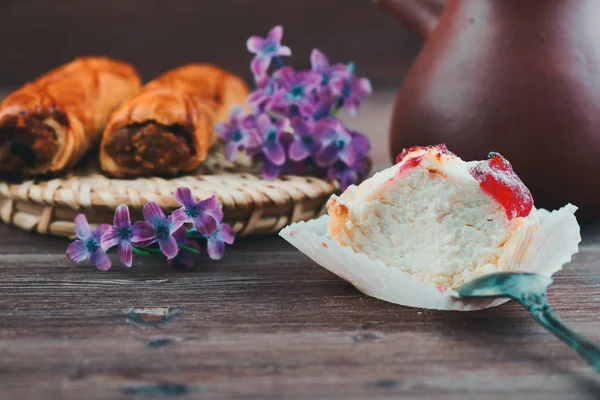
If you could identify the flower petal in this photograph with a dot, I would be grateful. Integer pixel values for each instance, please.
(222, 130)
(173, 225)
(152, 212)
(309, 80)
(275, 34)
(269, 171)
(254, 44)
(324, 129)
(227, 234)
(260, 64)
(101, 260)
(100, 231)
(284, 51)
(363, 86)
(318, 61)
(183, 195)
(77, 251)
(82, 228)
(215, 248)
(205, 223)
(361, 144)
(180, 234)
(274, 152)
(122, 218)
(110, 238)
(125, 253)
(142, 231)
(231, 151)
(298, 151)
(209, 204)
(145, 243)
(348, 155)
(168, 246)
(327, 155)
(180, 216)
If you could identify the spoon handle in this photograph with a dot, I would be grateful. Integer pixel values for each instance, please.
(544, 314)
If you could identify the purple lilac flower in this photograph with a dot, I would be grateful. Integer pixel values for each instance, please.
(88, 245)
(354, 90)
(123, 234)
(184, 256)
(336, 143)
(204, 214)
(260, 99)
(237, 133)
(346, 175)
(163, 229)
(333, 77)
(266, 49)
(271, 136)
(326, 102)
(216, 241)
(304, 144)
(296, 90)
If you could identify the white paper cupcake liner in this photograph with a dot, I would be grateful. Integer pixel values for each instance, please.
(552, 247)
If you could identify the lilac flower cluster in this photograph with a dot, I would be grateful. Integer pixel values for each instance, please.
(292, 128)
(158, 233)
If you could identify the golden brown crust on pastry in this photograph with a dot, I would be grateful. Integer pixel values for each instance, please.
(167, 128)
(49, 124)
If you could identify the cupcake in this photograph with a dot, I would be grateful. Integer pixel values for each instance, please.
(416, 231)
(438, 217)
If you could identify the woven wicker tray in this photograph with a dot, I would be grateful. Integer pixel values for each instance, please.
(250, 204)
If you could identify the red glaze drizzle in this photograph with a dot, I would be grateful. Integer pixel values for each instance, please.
(497, 178)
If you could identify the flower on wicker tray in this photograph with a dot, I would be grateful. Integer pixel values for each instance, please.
(293, 126)
(176, 236)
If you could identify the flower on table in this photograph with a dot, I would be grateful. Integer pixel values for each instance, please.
(333, 77)
(158, 234)
(270, 134)
(295, 91)
(122, 234)
(237, 133)
(164, 227)
(305, 144)
(203, 214)
(355, 89)
(336, 143)
(216, 241)
(266, 49)
(88, 244)
(184, 257)
(294, 116)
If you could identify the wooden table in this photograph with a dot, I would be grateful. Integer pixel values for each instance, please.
(268, 323)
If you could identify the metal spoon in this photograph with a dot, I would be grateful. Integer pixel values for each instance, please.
(530, 290)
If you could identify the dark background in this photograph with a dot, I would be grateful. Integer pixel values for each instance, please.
(156, 35)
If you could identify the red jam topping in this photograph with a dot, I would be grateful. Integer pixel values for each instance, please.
(497, 178)
(441, 148)
(410, 163)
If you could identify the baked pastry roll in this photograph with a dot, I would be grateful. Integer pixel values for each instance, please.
(167, 128)
(49, 124)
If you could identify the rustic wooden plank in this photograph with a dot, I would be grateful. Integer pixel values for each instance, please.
(267, 322)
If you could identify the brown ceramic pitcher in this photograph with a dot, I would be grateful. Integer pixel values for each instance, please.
(521, 77)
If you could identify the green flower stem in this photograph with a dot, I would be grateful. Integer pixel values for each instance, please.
(139, 251)
(188, 248)
(338, 104)
(146, 251)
